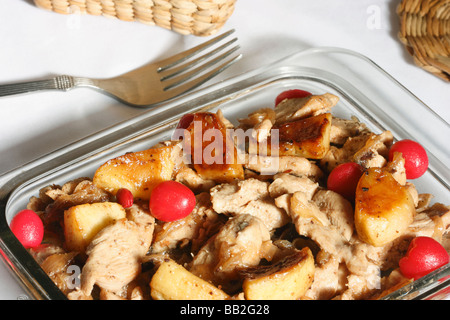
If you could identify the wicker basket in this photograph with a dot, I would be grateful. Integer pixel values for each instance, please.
(425, 31)
(197, 17)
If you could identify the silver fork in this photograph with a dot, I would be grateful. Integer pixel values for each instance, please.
(152, 83)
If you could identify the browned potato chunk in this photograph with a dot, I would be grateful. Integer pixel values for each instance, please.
(173, 282)
(288, 279)
(139, 172)
(212, 150)
(84, 221)
(383, 207)
(309, 137)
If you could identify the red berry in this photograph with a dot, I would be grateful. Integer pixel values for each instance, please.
(416, 159)
(290, 94)
(424, 255)
(171, 201)
(344, 179)
(28, 228)
(124, 197)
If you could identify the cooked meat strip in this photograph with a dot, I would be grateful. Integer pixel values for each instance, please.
(115, 253)
(328, 227)
(197, 227)
(260, 122)
(193, 180)
(73, 193)
(229, 198)
(375, 151)
(288, 183)
(342, 129)
(368, 149)
(241, 243)
(249, 196)
(299, 108)
(56, 266)
(328, 279)
(339, 211)
(298, 166)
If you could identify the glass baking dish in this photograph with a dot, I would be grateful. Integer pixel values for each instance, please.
(364, 89)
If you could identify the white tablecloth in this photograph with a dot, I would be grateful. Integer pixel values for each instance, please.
(35, 44)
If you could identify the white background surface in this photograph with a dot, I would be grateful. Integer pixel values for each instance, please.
(35, 44)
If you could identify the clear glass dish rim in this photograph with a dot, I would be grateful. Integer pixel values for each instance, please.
(28, 272)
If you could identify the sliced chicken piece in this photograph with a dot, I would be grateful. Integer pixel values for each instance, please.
(443, 212)
(424, 201)
(55, 266)
(360, 287)
(115, 253)
(396, 167)
(44, 250)
(260, 122)
(339, 211)
(288, 183)
(196, 228)
(327, 225)
(326, 236)
(375, 151)
(257, 117)
(298, 166)
(305, 209)
(229, 198)
(342, 129)
(265, 209)
(337, 155)
(327, 278)
(299, 108)
(78, 295)
(73, 193)
(368, 149)
(190, 178)
(249, 196)
(241, 243)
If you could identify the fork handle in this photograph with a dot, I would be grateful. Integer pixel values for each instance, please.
(62, 82)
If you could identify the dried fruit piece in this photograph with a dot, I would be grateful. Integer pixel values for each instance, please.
(124, 197)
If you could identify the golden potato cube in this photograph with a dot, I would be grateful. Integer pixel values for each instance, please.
(309, 137)
(214, 156)
(139, 172)
(84, 221)
(288, 279)
(173, 282)
(383, 208)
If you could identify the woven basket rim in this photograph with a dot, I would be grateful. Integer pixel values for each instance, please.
(425, 33)
(196, 17)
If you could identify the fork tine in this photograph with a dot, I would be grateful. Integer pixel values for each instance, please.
(183, 56)
(192, 63)
(179, 80)
(182, 88)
